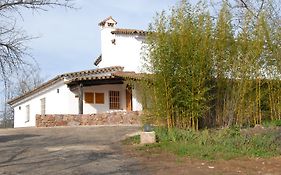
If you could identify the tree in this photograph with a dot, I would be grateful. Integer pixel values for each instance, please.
(13, 50)
(18, 84)
(13, 39)
(180, 61)
(27, 80)
(219, 69)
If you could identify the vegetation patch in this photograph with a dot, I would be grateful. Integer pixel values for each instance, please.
(272, 123)
(210, 71)
(214, 144)
(132, 140)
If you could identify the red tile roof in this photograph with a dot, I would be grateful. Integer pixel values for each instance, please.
(129, 32)
(129, 75)
(94, 74)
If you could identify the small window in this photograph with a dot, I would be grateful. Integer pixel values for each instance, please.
(99, 98)
(58, 91)
(110, 24)
(114, 100)
(19, 107)
(27, 117)
(43, 106)
(113, 41)
(89, 97)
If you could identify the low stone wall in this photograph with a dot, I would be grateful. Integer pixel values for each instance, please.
(114, 118)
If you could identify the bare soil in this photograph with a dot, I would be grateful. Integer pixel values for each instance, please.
(160, 163)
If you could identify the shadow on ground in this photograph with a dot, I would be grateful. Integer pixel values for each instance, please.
(7, 138)
(70, 150)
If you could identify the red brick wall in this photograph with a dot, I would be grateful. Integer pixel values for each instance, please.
(114, 118)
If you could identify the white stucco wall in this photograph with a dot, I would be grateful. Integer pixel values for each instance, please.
(99, 108)
(137, 106)
(56, 103)
(66, 102)
(125, 52)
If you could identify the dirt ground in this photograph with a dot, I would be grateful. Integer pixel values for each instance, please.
(98, 151)
(66, 151)
(161, 163)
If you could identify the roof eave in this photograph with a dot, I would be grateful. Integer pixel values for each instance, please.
(66, 78)
(35, 90)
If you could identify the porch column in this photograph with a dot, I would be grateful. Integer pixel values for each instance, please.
(80, 94)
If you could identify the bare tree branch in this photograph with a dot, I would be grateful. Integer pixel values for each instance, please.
(246, 6)
(34, 4)
(13, 48)
(261, 7)
(12, 39)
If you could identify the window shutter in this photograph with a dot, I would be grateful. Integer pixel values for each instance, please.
(99, 98)
(89, 97)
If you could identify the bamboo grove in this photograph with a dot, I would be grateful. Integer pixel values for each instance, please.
(210, 72)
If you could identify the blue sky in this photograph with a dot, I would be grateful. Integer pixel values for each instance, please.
(69, 40)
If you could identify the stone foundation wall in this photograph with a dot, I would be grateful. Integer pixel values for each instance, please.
(114, 118)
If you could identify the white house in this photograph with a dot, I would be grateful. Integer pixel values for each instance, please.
(120, 46)
(99, 90)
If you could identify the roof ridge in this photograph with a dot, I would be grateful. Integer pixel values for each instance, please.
(129, 31)
(97, 70)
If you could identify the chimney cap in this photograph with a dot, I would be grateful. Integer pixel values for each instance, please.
(107, 20)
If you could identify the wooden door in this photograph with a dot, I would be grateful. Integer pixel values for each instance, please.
(129, 104)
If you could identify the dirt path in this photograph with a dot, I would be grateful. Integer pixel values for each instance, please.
(160, 163)
(98, 151)
(69, 150)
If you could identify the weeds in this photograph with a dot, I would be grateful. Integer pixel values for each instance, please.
(225, 143)
(274, 123)
(132, 140)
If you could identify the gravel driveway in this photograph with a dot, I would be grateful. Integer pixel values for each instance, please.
(66, 150)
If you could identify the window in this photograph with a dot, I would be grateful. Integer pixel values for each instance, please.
(58, 91)
(99, 98)
(43, 106)
(113, 41)
(114, 100)
(89, 97)
(110, 24)
(27, 117)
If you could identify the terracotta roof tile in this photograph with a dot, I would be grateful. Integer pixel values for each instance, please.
(94, 74)
(85, 78)
(130, 75)
(129, 32)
